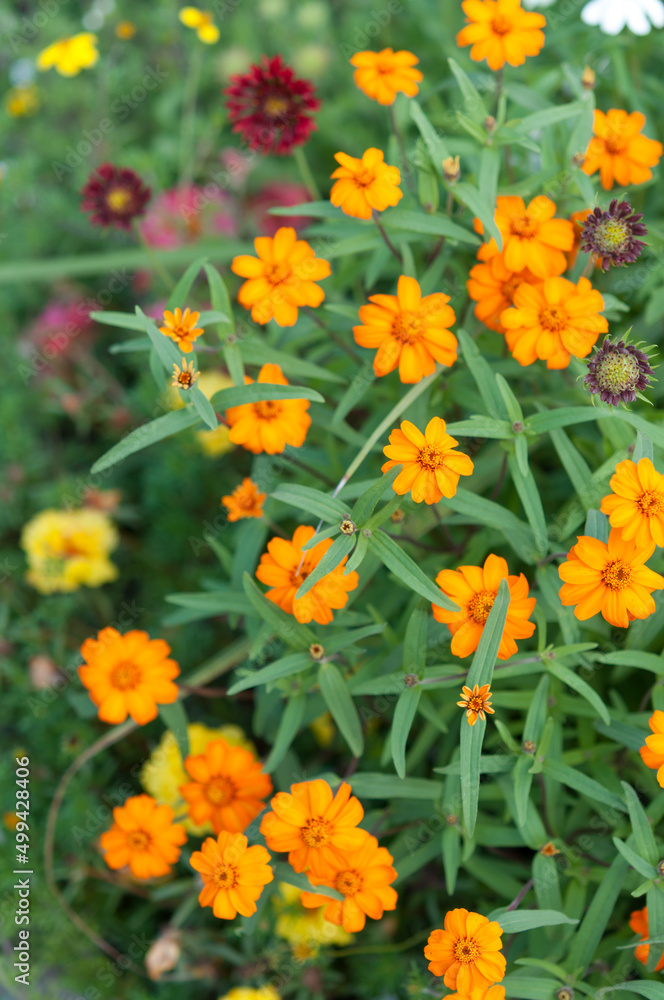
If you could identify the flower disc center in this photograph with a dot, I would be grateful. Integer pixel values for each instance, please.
(480, 606)
(139, 840)
(220, 791)
(316, 833)
(225, 876)
(617, 575)
(553, 319)
(125, 675)
(348, 883)
(466, 951)
(651, 503)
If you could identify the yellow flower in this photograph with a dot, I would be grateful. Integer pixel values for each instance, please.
(184, 378)
(305, 930)
(125, 30)
(69, 549)
(164, 772)
(201, 20)
(248, 993)
(324, 730)
(70, 55)
(22, 101)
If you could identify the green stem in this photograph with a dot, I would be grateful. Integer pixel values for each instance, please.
(188, 125)
(405, 166)
(382, 949)
(306, 174)
(155, 262)
(388, 242)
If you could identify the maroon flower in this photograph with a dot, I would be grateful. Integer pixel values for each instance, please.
(270, 107)
(115, 195)
(618, 372)
(612, 235)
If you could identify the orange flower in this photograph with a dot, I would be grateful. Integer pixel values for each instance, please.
(244, 501)
(493, 286)
(652, 754)
(500, 31)
(382, 75)
(638, 921)
(430, 466)
(268, 426)
(128, 674)
(363, 878)
(553, 321)
(409, 331)
(612, 579)
(144, 837)
(467, 953)
(316, 827)
(233, 874)
(281, 278)
(476, 701)
(618, 150)
(228, 788)
(181, 327)
(532, 237)
(474, 589)
(578, 220)
(636, 506)
(366, 184)
(286, 565)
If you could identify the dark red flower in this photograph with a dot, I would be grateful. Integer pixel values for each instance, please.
(115, 195)
(617, 372)
(611, 235)
(271, 107)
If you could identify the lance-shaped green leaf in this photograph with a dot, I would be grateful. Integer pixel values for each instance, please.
(149, 433)
(407, 571)
(374, 785)
(287, 627)
(436, 146)
(644, 838)
(286, 666)
(221, 301)
(597, 525)
(471, 197)
(215, 602)
(482, 427)
(642, 987)
(341, 706)
(257, 352)
(404, 713)
(582, 687)
(451, 848)
(321, 505)
(284, 873)
(581, 783)
(431, 225)
(366, 503)
(655, 906)
(514, 921)
(289, 726)
(643, 447)
(178, 297)
(473, 103)
(634, 859)
(480, 510)
(530, 498)
(521, 987)
(567, 415)
(483, 374)
(484, 660)
(597, 915)
(123, 321)
(257, 392)
(337, 552)
(174, 717)
(415, 640)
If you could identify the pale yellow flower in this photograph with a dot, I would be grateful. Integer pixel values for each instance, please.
(69, 549)
(201, 20)
(305, 930)
(248, 993)
(70, 55)
(22, 101)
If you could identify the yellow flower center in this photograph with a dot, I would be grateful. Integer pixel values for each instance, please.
(275, 105)
(125, 675)
(185, 379)
(225, 876)
(523, 225)
(119, 200)
(268, 409)
(501, 25)
(431, 457)
(554, 319)
(365, 176)
(139, 840)
(466, 951)
(651, 503)
(277, 273)
(475, 703)
(617, 575)
(220, 791)
(615, 144)
(480, 606)
(407, 328)
(316, 833)
(348, 883)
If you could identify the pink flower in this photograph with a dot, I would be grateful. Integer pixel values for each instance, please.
(187, 214)
(278, 194)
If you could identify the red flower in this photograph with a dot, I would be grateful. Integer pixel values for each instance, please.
(115, 195)
(270, 107)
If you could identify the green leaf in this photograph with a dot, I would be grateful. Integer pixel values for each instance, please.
(484, 660)
(232, 356)
(489, 173)
(284, 873)
(175, 719)
(480, 510)
(286, 666)
(430, 224)
(526, 487)
(644, 837)
(483, 374)
(597, 525)
(407, 571)
(536, 715)
(576, 468)
(523, 780)
(451, 846)
(470, 747)
(312, 209)
(221, 300)
(286, 626)
(337, 552)
(289, 726)
(214, 602)
(436, 146)
(566, 415)
(366, 503)
(259, 391)
(643, 987)
(514, 921)
(482, 427)
(643, 447)
(404, 713)
(469, 196)
(415, 640)
(321, 505)
(582, 687)
(123, 321)
(257, 352)
(178, 297)
(587, 787)
(474, 105)
(512, 405)
(519, 987)
(549, 116)
(341, 706)
(370, 785)
(203, 407)
(634, 658)
(655, 906)
(634, 859)
(149, 433)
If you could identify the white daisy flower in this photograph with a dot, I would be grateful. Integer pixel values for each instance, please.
(613, 15)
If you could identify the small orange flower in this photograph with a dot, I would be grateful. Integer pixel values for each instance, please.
(144, 837)
(619, 151)
(271, 424)
(233, 874)
(409, 331)
(652, 754)
(185, 377)
(365, 184)
(501, 31)
(181, 327)
(430, 466)
(316, 827)
(493, 286)
(383, 75)
(363, 878)
(638, 921)
(636, 506)
(281, 278)
(476, 701)
(532, 238)
(612, 579)
(467, 953)
(474, 589)
(244, 501)
(554, 321)
(286, 565)
(228, 787)
(549, 850)
(128, 674)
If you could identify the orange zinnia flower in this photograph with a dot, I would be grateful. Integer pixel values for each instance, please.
(493, 286)
(268, 426)
(500, 31)
(612, 579)
(636, 506)
(228, 789)
(532, 237)
(618, 150)
(553, 321)
(382, 75)
(244, 501)
(474, 589)
(467, 953)
(128, 674)
(233, 874)
(144, 837)
(409, 331)
(316, 827)
(366, 184)
(286, 565)
(652, 754)
(638, 921)
(430, 466)
(476, 701)
(181, 327)
(578, 220)
(281, 278)
(363, 878)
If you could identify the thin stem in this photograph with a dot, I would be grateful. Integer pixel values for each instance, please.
(310, 469)
(381, 949)
(334, 336)
(275, 527)
(499, 87)
(157, 265)
(388, 242)
(188, 126)
(405, 166)
(524, 892)
(305, 173)
(460, 677)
